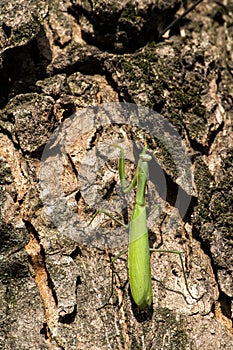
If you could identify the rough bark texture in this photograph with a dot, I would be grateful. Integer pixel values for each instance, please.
(58, 57)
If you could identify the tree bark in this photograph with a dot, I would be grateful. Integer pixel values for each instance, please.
(59, 60)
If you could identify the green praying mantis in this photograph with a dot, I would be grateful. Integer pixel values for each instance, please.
(138, 253)
(139, 267)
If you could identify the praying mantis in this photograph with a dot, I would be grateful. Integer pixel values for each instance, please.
(138, 253)
(139, 267)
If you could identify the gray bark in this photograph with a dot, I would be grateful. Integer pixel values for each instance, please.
(57, 58)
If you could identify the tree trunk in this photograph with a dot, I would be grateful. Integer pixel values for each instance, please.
(76, 77)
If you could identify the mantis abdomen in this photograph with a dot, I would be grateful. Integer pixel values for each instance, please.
(139, 259)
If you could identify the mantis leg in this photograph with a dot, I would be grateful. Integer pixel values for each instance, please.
(182, 266)
(112, 268)
(103, 211)
(99, 211)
